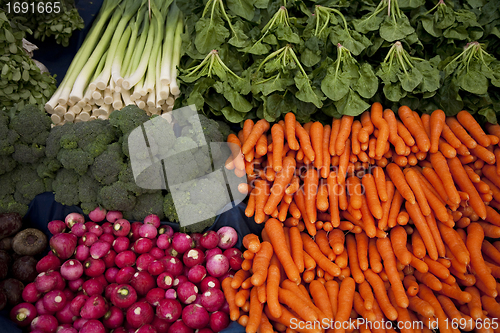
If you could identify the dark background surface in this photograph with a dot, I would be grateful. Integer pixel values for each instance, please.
(44, 209)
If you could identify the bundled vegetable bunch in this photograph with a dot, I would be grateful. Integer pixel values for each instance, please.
(130, 56)
(261, 59)
(108, 273)
(19, 252)
(21, 81)
(340, 204)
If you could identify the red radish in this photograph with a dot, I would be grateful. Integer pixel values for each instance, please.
(108, 238)
(140, 313)
(124, 275)
(45, 323)
(163, 241)
(113, 215)
(196, 236)
(125, 258)
(165, 280)
(30, 293)
(77, 303)
(98, 214)
(93, 287)
(99, 249)
(95, 228)
(67, 330)
(148, 328)
(110, 288)
(230, 274)
(113, 318)
(182, 242)
(71, 269)
(123, 296)
(227, 237)
(157, 253)
(171, 252)
(148, 231)
(225, 307)
(56, 226)
(180, 280)
(171, 294)
(54, 300)
(217, 265)
(197, 273)
(69, 294)
(235, 258)
(208, 283)
(169, 309)
(134, 231)
(49, 262)
(195, 316)
(75, 285)
(155, 295)
(205, 330)
(93, 326)
(60, 283)
(94, 267)
(166, 230)
(143, 261)
(142, 282)
(22, 314)
(73, 218)
(79, 229)
(187, 292)
(107, 228)
(156, 267)
(179, 327)
(209, 240)
(142, 245)
(121, 330)
(63, 245)
(65, 315)
(173, 265)
(212, 252)
(153, 220)
(88, 239)
(193, 257)
(121, 244)
(219, 321)
(82, 252)
(78, 324)
(40, 308)
(110, 274)
(46, 281)
(94, 308)
(121, 227)
(160, 325)
(109, 259)
(212, 299)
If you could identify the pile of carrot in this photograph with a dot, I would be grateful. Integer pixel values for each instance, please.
(378, 218)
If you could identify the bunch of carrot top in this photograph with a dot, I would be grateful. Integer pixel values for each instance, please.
(376, 218)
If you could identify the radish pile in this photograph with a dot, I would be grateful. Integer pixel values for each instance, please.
(108, 273)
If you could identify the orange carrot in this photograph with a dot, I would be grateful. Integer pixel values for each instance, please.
(383, 128)
(371, 195)
(322, 197)
(367, 129)
(320, 297)
(311, 190)
(380, 294)
(278, 134)
(283, 178)
(322, 241)
(325, 170)
(460, 132)
(484, 154)
(367, 294)
(355, 144)
(305, 141)
(290, 131)
(343, 135)
(297, 249)
(333, 197)
(255, 313)
(472, 126)
(394, 138)
(399, 181)
(423, 228)
(261, 196)
(475, 237)
(441, 167)
(241, 297)
(346, 298)
(355, 190)
(313, 250)
(229, 294)
(333, 135)
(380, 181)
(408, 119)
(362, 250)
(261, 146)
(411, 286)
(238, 278)
(251, 242)
(265, 325)
(413, 180)
(316, 134)
(273, 281)
(426, 294)
(398, 240)
(352, 251)
(258, 129)
(234, 146)
(437, 122)
(276, 234)
(298, 305)
(260, 263)
(250, 209)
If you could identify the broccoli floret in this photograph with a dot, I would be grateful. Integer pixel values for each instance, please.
(7, 164)
(32, 125)
(9, 205)
(128, 118)
(75, 159)
(7, 136)
(28, 153)
(28, 184)
(199, 210)
(150, 203)
(88, 189)
(108, 165)
(94, 136)
(126, 176)
(116, 197)
(53, 144)
(210, 188)
(65, 186)
(224, 129)
(48, 167)
(8, 185)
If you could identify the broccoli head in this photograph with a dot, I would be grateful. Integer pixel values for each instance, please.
(126, 176)
(94, 136)
(8, 186)
(47, 167)
(53, 143)
(128, 118)
(10, 205)
(28, 153)
(7, 164)
(32, 125)
(116, 197)
(149, 203)
(88, 190)
(108, 165)
(28, 184)
(75, 159)
(65, 186)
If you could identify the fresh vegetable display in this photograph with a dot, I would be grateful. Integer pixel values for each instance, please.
(108, 273)
(334, 58)
(376, 218)
(20, 250)
(130, 56)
